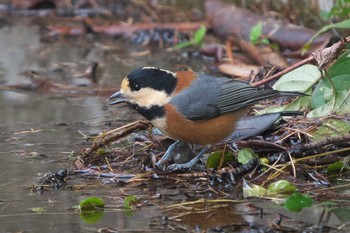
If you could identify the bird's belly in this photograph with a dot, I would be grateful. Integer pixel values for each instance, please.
(201, 132)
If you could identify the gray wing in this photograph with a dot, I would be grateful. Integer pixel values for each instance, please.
(209, 97)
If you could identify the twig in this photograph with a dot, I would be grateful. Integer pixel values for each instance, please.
(118, 134)
(322, 57)
(286, 70)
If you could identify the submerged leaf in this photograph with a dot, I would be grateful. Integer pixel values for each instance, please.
(38, 210)
(91, 217)
(297, 201)
(129, 202)
(92, 209)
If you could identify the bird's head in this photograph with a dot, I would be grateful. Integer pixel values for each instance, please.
(146, 88)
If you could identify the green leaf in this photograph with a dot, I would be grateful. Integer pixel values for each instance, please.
(300, 79)
(298, 104)
(91, 217)
(92, 209)
(341, 25)
(281, 187)
(297, 201)
(341, 66)
(252, 190)
(325, 100)
(38, 210)
(324, 15)
(340, 105)
(199, 35)
(265, 41)
(331, 128)
(184, 44)
(101, 151)
(245, 155)
(129, 202)
(255, 33)
(214, 159)
(91, 203)
(337, 166)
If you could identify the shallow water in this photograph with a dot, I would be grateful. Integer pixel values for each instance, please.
(39, 131)
(34, 140)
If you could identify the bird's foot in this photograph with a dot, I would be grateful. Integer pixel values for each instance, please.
(180, 157)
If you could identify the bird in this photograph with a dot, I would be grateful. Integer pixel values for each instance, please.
(188, 106)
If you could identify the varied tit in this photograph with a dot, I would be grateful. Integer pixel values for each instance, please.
(188, 106)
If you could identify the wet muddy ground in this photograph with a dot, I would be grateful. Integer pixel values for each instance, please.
(39, 132)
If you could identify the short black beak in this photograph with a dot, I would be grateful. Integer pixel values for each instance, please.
(119, 98)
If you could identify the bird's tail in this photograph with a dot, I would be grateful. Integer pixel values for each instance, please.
(292, 93)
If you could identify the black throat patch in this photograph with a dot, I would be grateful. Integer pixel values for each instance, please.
(155, 111)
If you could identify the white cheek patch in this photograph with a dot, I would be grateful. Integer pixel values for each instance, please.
(147, 97)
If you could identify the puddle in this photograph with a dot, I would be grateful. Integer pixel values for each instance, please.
(38, 132)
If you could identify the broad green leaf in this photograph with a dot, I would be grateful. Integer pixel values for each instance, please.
(214, 159)
(340, 107)
(129, 202)
(341, 25)
(300, 79)
(297, 201)
(324, 100)
(91, 203)
(341, 66)
(252, 190)
(324, 92)
(245, 155)
(281, 187)
(255, 33)
(199, 35)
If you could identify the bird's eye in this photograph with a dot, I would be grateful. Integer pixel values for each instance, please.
(135, 87)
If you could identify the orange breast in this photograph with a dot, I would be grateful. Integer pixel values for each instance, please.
(204, 131)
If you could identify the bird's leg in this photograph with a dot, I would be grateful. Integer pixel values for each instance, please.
(180, 157)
